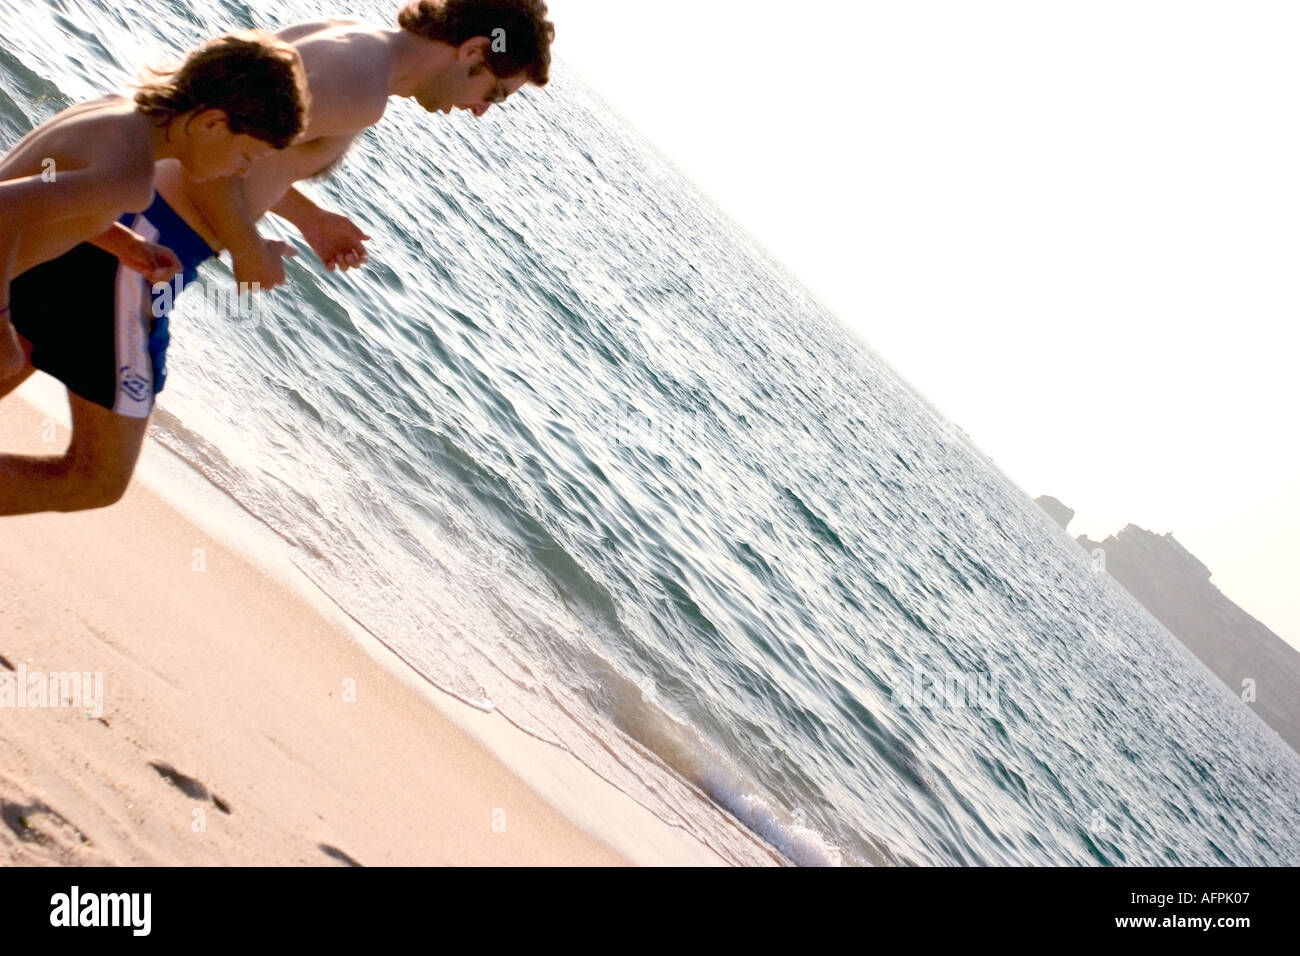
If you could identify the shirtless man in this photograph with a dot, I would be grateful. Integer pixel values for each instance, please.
(69, 180)
(445, 54)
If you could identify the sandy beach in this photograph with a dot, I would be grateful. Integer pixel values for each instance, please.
(238, 722)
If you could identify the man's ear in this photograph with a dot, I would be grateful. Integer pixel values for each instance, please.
(473, 51)
(212, 119)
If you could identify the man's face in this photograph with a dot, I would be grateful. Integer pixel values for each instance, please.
(469, 84)
(485, 89)
(240, 153)
(215, 151)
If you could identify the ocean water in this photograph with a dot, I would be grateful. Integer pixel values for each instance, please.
(582, 453)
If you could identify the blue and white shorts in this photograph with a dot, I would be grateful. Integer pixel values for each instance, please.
(62, 307)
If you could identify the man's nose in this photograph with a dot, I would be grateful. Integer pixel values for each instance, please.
(481, 108)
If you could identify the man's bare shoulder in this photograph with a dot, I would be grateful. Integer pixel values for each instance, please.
(300, 31)
(349, 66)
(104, 135)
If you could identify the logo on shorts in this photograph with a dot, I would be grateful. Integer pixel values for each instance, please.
(136, 387)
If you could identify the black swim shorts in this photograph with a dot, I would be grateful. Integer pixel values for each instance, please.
(96, 325)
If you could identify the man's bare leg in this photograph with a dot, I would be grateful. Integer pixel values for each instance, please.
(93, 473)
(11, 383)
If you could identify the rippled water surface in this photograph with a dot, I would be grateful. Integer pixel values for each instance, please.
(577, 449)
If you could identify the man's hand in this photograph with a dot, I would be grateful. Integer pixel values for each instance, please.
(156, 263)
(335, 239)
(12, 356)
(262, 265)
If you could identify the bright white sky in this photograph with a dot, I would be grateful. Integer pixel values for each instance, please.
(1073, 226)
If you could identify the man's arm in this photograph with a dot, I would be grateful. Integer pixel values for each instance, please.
(224, 207)
(294, 206)
(232, 206)
(12, 358)
(30, 202)
(156, 263)
(335, 238)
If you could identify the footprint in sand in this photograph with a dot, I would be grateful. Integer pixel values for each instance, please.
(339, 855)
(45, 831)
(188, 785)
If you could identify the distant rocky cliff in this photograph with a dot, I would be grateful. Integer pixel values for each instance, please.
(1055, 510)
(1171, 583)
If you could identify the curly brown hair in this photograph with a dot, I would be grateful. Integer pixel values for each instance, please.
(527, 33)
(257, 80)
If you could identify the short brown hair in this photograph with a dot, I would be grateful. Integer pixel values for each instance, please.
(528, 34)
(257, 80)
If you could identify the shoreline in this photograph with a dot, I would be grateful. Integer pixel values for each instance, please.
(225, 687)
